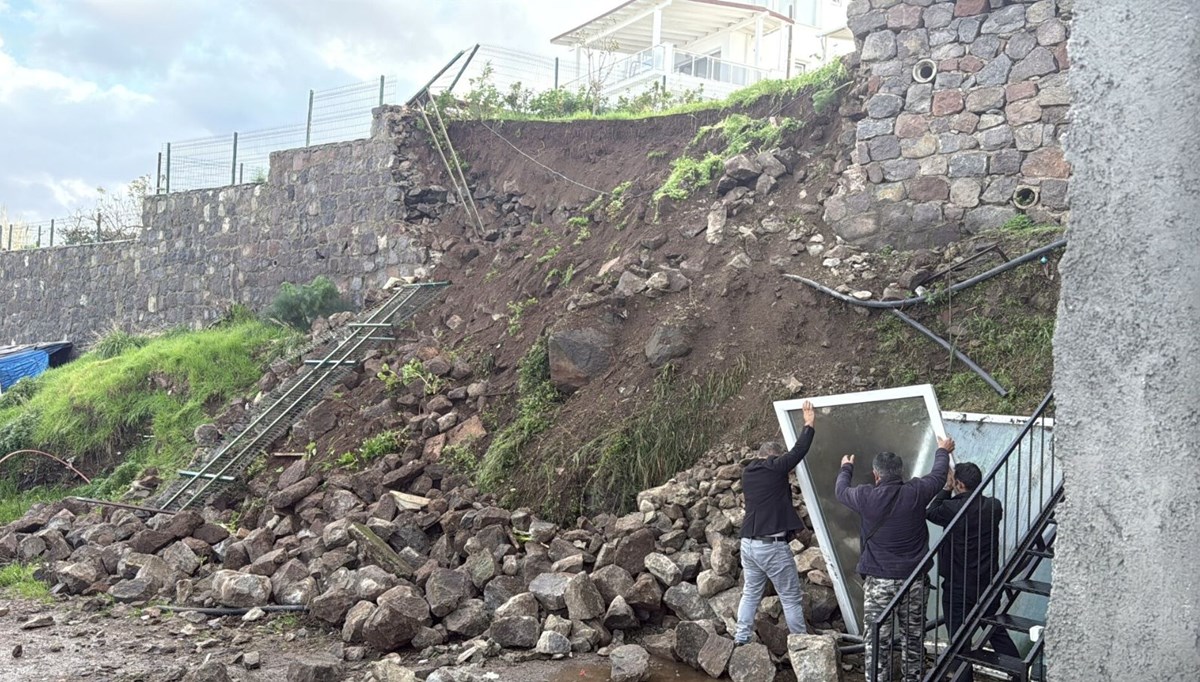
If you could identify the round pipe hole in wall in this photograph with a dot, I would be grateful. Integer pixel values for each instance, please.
(1025, 197)
(925, 71)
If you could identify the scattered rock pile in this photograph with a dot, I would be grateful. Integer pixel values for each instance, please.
(406, 555)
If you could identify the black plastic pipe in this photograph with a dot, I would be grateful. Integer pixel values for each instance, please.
(953, 351)
(965, 284)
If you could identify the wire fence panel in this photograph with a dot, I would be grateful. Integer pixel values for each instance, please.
(81, 228)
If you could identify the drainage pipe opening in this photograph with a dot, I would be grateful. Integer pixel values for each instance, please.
(925, 71)
(1025, 197)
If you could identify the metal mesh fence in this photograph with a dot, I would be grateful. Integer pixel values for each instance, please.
(337, 115)
(77, 229)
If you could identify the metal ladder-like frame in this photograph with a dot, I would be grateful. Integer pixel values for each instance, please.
(213, 472)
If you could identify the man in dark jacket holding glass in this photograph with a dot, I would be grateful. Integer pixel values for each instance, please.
(894, 538)
(969, 558)
(770, 518)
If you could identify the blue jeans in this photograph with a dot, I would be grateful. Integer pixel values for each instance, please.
(762, 561)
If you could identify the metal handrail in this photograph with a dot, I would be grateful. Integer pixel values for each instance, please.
(926, 564)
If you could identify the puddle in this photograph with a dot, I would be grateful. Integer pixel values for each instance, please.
(660, 671)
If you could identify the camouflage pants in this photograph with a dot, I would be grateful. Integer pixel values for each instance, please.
(909, 616)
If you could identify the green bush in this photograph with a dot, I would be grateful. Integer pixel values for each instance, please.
(298, 306)
(536, 402)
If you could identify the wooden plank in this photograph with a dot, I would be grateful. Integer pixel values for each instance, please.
(287, 454)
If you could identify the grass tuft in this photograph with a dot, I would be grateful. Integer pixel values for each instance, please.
(537, 400)
(18, 580)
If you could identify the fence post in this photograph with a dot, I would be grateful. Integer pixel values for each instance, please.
(381, 91)
(308, 125)
(233, 168)
(241, 173)
(556, 73)
(99, 236)
(158, 176)
(52, 232)
(168, 168)
(10, 229)
(39, 243)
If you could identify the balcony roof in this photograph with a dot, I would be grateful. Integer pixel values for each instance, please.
(630, 25)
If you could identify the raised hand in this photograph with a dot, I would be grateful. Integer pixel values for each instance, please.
(848, 459)
(946, 444)
(810, 415)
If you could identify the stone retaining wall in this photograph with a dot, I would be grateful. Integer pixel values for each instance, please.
(358, 212)
(930, 160)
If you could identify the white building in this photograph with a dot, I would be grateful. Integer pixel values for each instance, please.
(717, 46)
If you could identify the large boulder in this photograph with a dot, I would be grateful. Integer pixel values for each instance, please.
(752, 663)
(685, 600)
(469, 619)
(577, 356)
(583, 600)
(661, 567)
(690, 638)
(553, 644)
(400, 614)
(620, 616)
(632, 550)
(668, 340)
(714, 656)
(445, 590)
(516, 632)
(551, 590)
(241, 590)
(630, 663)
(814, 657)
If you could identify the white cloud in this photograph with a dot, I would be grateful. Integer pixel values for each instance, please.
(96, 86)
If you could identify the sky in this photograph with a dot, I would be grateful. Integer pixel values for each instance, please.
(90, 89)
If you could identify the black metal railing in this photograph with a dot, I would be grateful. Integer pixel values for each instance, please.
(962, 579)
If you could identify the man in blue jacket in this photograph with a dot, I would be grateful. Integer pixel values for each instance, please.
(770, 518)
(894, 540)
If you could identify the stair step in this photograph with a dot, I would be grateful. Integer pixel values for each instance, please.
(1011, 622)
(990, 659)
(1044, 553)
(1031, 586)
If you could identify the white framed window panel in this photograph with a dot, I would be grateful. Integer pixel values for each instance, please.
(906, 421)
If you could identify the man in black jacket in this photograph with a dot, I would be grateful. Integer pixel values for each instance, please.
(770, 518)
(969, 558)
(894, 540)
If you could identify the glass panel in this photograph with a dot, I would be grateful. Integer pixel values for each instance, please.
(905, 421)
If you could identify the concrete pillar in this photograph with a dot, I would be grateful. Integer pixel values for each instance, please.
(656, 28)
(1126, 600)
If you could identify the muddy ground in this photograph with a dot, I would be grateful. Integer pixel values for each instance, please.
(94, 640)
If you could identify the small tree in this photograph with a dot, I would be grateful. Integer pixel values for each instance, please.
(116, 215)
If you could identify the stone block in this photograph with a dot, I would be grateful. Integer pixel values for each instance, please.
(999, 190)
(1041, 61)
(899, 169)
(1005, 162)
(913, 44)
(1025, 111)
(919, 98)
(883, 148)
(968, 8)
(995, 138)
(985, 47)
(1051, 33)
(879, 46)
(884, 106)
(968, 164)
(1020, 45)
(928, 189)
(815, 657)
(1055, 194)
(985, 99)
(904, 17)
(911, 125)
(947, 102)
(1047, 162)
(996, 72)
(965, 192)
(982, 218)
(1040, 12)
(919, 147)
(1028, 137)
(938, 15)
(1005, 20)
(866, 23)
(869, 128)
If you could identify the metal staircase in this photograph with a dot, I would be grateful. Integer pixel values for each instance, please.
(1028, 482)
(217, 468)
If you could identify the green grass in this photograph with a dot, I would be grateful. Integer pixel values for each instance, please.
(1002, 334)
(740, 133)
(537, 401)
(688, 175)
(1024, 225)
(17, 580)
(135, 410)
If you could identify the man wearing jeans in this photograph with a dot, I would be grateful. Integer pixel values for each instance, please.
(770, 518)
(894, 539)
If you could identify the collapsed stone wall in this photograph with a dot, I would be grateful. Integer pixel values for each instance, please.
(358, 212)
(961, 105)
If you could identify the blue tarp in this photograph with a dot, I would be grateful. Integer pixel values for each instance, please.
(19, 362)
(28, 363)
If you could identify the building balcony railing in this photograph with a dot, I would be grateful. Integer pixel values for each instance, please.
(664, 60)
